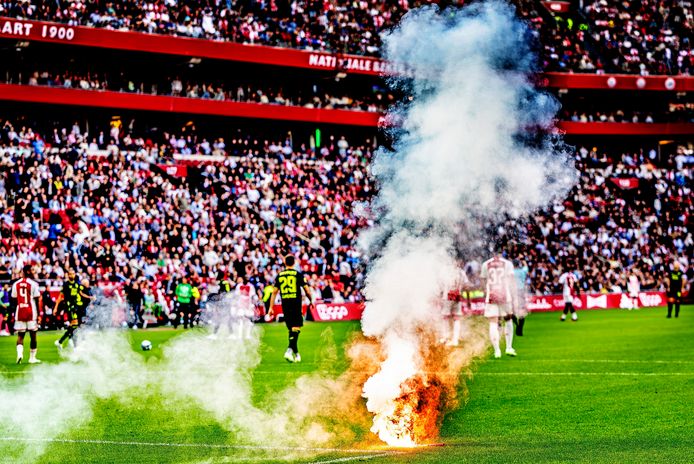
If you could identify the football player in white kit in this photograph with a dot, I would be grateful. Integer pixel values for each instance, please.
(634, 287)
(453, 310)
(499, 284)
(27, 295)
(246, 298)
(569, 281)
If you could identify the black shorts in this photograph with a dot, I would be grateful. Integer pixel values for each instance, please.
(292, 315)
(675, 297)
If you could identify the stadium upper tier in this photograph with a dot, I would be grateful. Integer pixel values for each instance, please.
(645, 37)
(101, 202)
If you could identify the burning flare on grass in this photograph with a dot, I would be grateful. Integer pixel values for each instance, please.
(471, 148)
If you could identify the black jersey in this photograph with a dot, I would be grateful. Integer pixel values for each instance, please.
(71, 295)
(675, 286)
(290, 282)
(85, 296)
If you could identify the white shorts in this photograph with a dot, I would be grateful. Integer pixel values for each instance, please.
(23, 326)
(497, 310)
(452, 308)
(568, 299)
(633, 294)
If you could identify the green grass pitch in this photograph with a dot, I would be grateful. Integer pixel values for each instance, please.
(617, 386)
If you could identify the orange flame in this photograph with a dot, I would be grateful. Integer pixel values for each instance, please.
(415, 417)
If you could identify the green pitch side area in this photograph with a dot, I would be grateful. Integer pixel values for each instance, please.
(616, 386)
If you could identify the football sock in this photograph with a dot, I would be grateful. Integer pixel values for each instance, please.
(456, 331)
(566, 309)
(669, 310)
(446, 329)
(677, 310)
(20, 351)
(519, 327)
(64, 337)
(494, 335)
(509, 334)
(248, 325)
(294, 340)
(32, 353)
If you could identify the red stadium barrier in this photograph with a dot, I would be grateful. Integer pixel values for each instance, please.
(595, 301)
(133, 101)
(625, 128)
(618, 82)
(323, 312)
(43, 31)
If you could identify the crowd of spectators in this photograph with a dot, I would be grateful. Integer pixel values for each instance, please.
(642, 37)
(310, 97)
(612, 116)
(102, 208)
(629, 211)
(338, 26)
(115, 219)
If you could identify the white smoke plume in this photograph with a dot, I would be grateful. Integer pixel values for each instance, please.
(55, 398)
(210, 375)
(472, 146)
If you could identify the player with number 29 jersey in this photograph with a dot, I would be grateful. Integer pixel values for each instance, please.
(289, 284)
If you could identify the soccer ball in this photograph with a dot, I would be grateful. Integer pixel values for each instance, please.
(146, 345)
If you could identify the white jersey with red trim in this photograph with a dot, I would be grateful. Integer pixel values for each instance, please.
(246, 295)
(569, 281)
(26, 291)
(461, 281)
(500, 283)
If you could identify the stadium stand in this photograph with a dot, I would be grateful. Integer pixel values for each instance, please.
(105, 208)
(247, 92)
(122, 194)
(644, 37)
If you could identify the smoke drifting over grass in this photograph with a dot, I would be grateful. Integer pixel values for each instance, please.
(216, 376)
(472, 146)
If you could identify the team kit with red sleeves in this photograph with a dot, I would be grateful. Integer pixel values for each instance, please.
(26, 291)
(497, 273)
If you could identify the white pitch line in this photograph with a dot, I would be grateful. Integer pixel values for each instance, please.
(648, 374)
(617, 361)
(355, 458)
(194, 445)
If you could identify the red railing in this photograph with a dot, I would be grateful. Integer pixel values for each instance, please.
(626, 128)
(42, 31)
(142, 102)
(132, 101)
